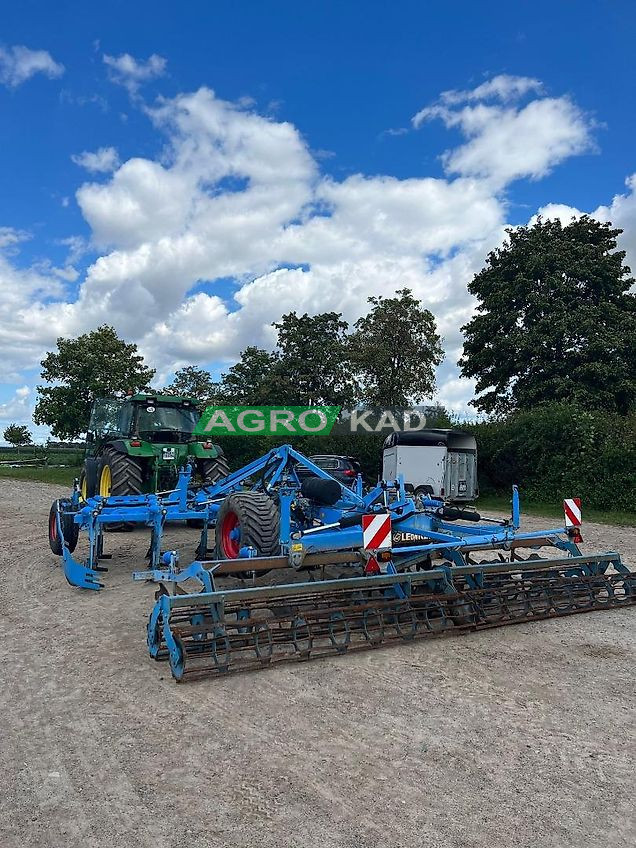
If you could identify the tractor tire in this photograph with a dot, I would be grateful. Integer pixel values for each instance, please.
(88, 479)
(213, 470)
(119, 474)
(210, 470)
(247, 518)
(69, 528)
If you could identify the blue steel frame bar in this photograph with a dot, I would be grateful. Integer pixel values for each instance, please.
(181, 504)
(277, 469)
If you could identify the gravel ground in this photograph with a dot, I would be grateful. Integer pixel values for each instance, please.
(520, 736)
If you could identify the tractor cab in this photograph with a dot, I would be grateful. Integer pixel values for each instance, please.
(153, 418)
(137, 444)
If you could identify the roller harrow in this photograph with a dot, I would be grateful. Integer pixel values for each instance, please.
(233, 630)
(408, 568)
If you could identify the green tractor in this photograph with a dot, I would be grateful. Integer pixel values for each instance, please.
(137, 444)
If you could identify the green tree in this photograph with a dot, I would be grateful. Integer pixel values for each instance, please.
(312, 367)
(252, 380)
(555, 321)
(394, 351)
(94, 365)
(18, 435)
(195, 382)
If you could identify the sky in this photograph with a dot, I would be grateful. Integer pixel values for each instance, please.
(189, 172)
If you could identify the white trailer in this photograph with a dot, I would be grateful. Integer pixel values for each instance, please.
(442, 463)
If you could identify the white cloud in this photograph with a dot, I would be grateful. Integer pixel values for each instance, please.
(18, 64)
(77, 248)
(104, 160)
(24, 293)
(508, 142)
(503, 87)
(132, 73)
(240, 195)
(556, 211)
(621, 213)
(10, 238)
(17, 409)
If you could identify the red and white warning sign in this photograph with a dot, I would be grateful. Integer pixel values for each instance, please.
(376, 532)
(572, 509)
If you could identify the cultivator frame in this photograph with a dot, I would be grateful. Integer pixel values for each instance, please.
(432, 585)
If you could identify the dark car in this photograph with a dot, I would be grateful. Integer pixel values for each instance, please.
(345, 469)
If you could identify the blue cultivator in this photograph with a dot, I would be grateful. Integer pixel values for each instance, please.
(70, 515)
(408, 566)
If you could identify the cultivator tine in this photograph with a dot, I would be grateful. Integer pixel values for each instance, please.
(226, 631)
(81, 575)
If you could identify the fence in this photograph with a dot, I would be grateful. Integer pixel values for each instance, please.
(51, 454)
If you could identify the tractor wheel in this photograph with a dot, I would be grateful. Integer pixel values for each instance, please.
(88, 479)
(247, 518)
(83, 486)
(118, 474)
(213, 470)
(69, 528)
(210, 470)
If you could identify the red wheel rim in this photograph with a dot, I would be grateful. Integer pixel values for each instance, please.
(53, 527)
(230, 538)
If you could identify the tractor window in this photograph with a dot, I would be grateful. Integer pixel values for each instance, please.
(162, 417)
(105, 416)
(125, 419)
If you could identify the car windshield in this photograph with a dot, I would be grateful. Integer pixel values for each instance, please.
(326, 462)
(164, 417)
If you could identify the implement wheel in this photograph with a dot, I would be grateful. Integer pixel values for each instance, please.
(69, 528)
(247, 518)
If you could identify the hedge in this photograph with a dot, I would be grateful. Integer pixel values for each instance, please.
(559, 451)
(553, 452)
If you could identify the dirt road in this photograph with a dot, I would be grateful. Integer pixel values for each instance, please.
(516, 737)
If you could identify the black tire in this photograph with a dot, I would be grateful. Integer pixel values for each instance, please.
(126, 479)
(55, 542)
(125, 473)
(69, 528)
(88, 478)
(258, 523)
(213, 470)
(210, 470)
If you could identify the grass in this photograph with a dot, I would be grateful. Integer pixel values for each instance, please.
(501, 504)
(64, 475)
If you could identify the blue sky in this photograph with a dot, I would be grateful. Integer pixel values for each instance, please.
(303, 180)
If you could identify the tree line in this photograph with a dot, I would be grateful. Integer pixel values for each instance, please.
(388, 358)
(552, 339)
